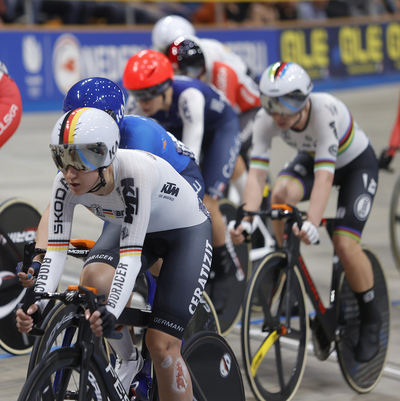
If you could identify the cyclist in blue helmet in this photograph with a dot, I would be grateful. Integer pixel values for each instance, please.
(136, 132)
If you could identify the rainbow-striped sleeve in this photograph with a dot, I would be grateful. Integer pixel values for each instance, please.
(261, 163)
(324, 164)
(347, 138)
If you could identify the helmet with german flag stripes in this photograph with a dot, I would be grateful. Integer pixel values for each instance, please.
(86, 139)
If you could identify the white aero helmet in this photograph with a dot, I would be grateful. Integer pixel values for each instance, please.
(85, 138)
(285, 88)
(167, 29)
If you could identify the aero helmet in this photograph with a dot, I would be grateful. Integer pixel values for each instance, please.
(187, 57)
(86, 139)
(100, 93)
(167, 29)
(147, 74)
(285, 88)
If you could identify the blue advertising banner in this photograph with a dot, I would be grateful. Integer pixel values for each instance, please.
(45, 64)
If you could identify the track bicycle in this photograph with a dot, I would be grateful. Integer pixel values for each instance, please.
(394, 223)
(59, 327)
(84, 372)
(275, 321)
(18, 224)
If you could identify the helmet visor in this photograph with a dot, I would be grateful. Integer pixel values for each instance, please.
(150, 93)
(86, 157)
(289, 104)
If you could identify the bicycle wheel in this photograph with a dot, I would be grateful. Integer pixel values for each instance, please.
(274, 333)
(362, 377)
(204, 319)
(18, 221)
(394, 223)
(59, 330)
(235, 282)
(213, 368)
(57, 378)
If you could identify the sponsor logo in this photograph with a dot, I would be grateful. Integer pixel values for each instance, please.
(97, 210)
(362, 207)
(228, 168)
(333, 150)
(117, 285)
(169, 189)
(8, 118)
(20, 236)
(168, 324)
(131, 198)
(119, 388)
(225, 365)
(59, 207)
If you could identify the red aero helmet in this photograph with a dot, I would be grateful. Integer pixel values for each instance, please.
(147, 69)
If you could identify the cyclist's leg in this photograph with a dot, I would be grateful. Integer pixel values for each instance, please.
(187, 257)
(358, 185)
(294, 184)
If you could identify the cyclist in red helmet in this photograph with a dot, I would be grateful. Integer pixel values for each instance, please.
(10, 105)
(203, 120)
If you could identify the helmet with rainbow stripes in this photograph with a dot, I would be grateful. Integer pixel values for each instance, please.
(285, 88)
(86, 139)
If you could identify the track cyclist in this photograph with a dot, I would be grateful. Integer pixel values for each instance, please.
(136, 133)
(10, 105)
(143, 194)
(332, 150)
(205, 122)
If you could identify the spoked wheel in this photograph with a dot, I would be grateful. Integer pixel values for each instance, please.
(213, 367)
(18, 224)
(57, 378)
(274, 334)
(362, 377)
(234, 281)
(394, 223)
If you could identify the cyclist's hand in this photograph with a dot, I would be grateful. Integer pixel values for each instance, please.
(25, 321)
(102, 322)
(239, 234)
(308, 233)
(384, 160)
(27, 279)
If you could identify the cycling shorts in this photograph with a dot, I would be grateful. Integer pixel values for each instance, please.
(187, 256)
(10, 108)
(218, 159)
(357, 183)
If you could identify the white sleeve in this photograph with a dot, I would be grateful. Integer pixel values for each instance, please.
(132, 106)
(191, 105)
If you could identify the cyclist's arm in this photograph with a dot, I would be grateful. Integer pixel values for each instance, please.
(191, 109)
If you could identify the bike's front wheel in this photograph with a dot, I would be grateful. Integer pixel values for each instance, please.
(394, 223)
(274, 331)
(362, 377)
(57, 378)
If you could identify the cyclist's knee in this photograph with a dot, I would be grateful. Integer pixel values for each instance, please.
(285, 192)
(345, 247)
(162, 347)
(99, 276)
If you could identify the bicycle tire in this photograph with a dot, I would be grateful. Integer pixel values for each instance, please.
(362, 377)
(394, 223)
(235, 282)
(213, 368)
(274, 361)
(38, 388)
(19, 220)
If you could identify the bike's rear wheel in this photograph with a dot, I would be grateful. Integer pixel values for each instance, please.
(274, 333)
(394, 223)
(236, 280)
(362, 377)
(213, 367)
(57, 378)
(18, 220)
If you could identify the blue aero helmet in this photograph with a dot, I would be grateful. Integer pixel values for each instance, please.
(100, 93)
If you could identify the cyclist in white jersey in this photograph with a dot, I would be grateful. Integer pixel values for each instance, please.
(332, 150)
(160, 217)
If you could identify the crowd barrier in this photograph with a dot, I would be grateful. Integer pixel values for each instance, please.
(45, 63)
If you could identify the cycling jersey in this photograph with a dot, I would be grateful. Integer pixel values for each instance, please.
(203, 120)
(228, 73)
(331, 136)
(142, 133)
(149, 198)
(10, 106)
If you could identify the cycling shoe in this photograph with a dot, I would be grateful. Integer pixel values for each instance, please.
(367, 347)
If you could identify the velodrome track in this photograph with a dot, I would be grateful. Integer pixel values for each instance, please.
(27, 171)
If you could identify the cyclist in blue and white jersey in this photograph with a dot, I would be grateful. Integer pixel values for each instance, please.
(332, 150)
(143, 195)
(202, 119)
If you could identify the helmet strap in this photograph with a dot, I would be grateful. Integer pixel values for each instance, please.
(298, 120)
(102, 182)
